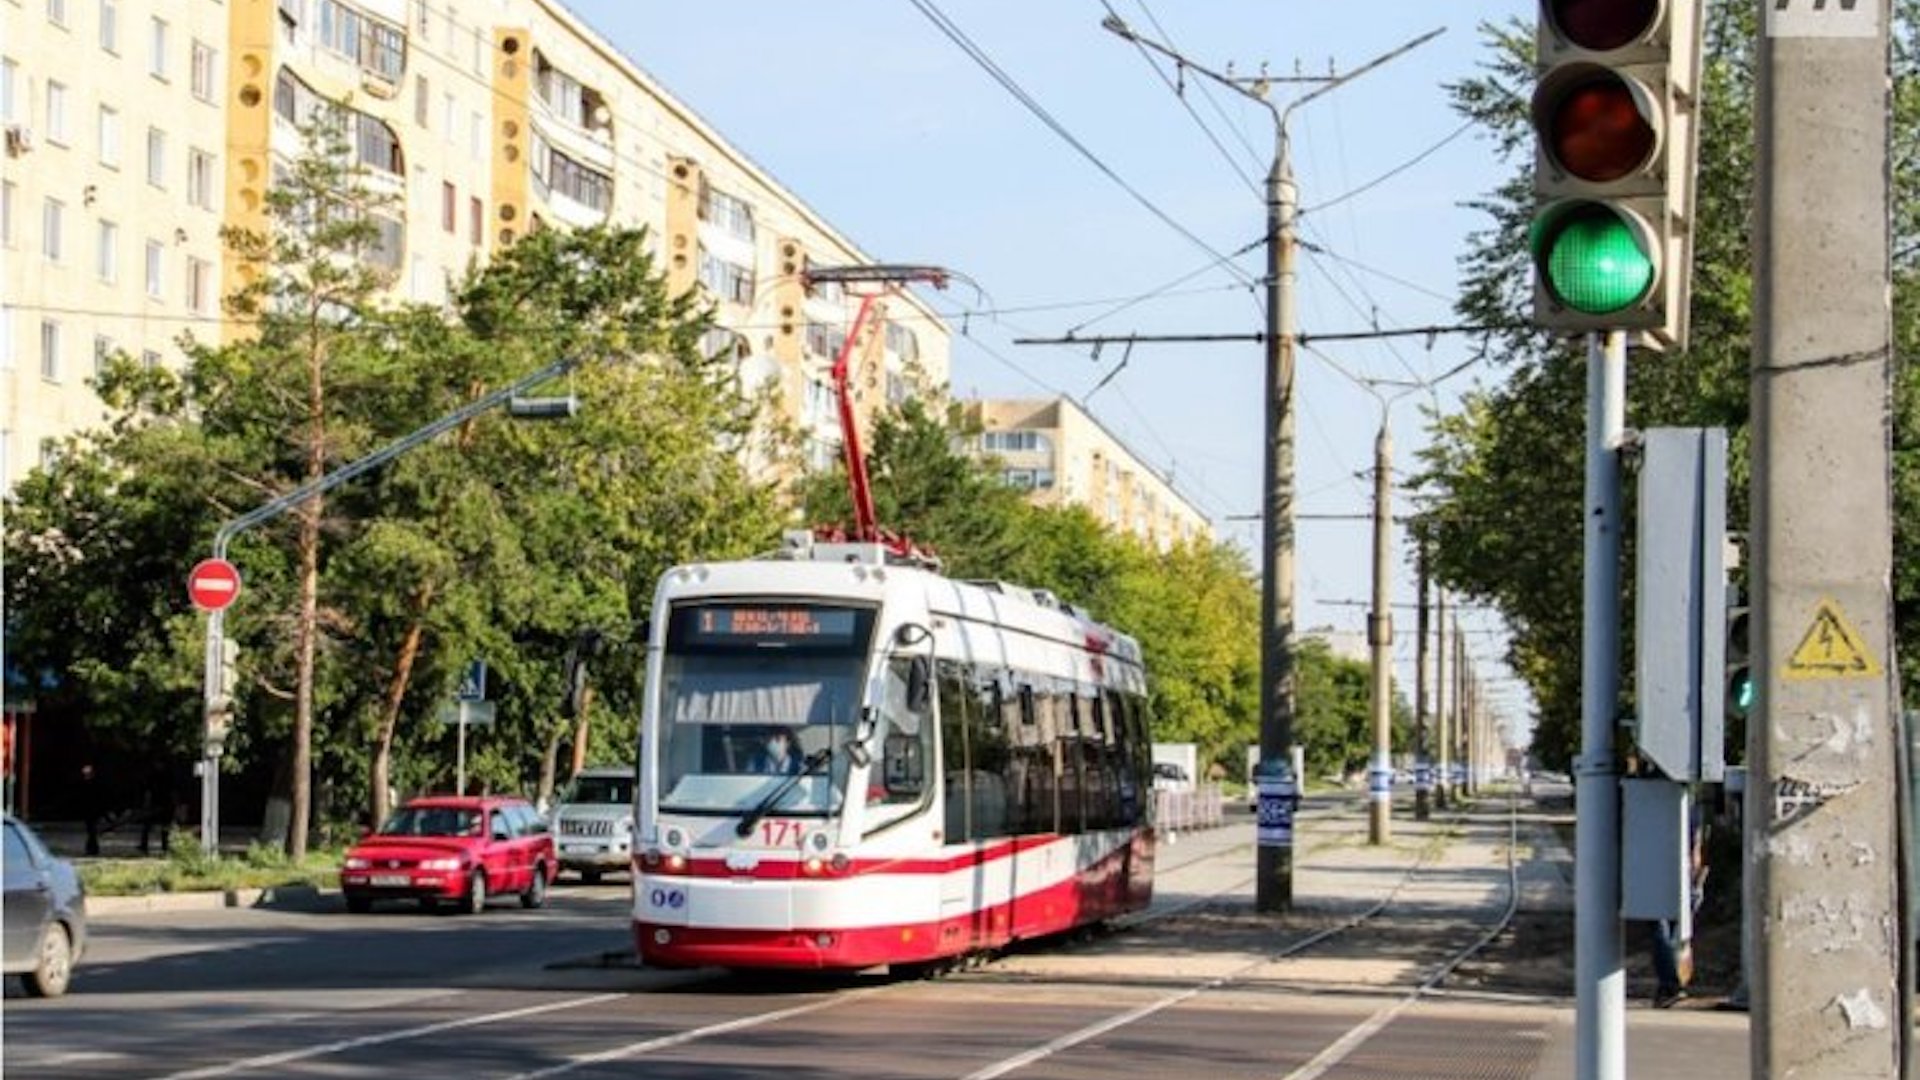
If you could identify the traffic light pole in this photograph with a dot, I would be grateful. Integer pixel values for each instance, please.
(1598, 954)
(1829, 931)
(216, 702)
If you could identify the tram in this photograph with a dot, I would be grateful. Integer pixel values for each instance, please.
(850, 760)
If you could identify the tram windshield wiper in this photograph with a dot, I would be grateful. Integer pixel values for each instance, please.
(807, 768)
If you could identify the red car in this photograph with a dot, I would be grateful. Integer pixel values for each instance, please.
(459, 849)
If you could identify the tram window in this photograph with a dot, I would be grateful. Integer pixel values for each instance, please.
(905, 747)
(956, 764)
(1099, 715)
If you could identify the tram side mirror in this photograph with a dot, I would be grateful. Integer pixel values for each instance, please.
(919, 684)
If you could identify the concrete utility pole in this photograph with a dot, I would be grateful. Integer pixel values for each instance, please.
(1273, 889)
(1830, 930)
(1380, 637)
(1422, 763)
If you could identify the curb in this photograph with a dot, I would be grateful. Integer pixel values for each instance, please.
(281, 897)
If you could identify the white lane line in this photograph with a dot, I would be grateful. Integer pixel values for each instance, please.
(266, 1061)
(1335, 1054)
(1092, 1031)
(663, 1042)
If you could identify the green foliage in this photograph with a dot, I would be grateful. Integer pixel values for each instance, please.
(497, 541)
(1504, 475)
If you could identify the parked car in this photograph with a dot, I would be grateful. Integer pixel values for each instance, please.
(1170, 777)
(452, 849)
(593, 822)
(45, 916)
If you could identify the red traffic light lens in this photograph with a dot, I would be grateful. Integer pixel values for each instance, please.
(1603, 25)
(1597, 132)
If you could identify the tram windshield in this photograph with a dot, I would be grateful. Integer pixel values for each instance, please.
(757, 696)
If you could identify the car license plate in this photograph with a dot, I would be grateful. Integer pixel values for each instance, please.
(390, 879)
(582, 849)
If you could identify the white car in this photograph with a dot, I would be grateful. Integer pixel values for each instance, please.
(593, 822)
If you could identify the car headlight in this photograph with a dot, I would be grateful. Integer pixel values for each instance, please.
(356, 862)
(440, 864)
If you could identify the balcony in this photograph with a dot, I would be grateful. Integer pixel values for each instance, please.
(572, 117)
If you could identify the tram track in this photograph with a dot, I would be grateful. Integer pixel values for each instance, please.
(1405, 995)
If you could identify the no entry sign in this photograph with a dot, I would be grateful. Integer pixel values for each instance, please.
(213, 584)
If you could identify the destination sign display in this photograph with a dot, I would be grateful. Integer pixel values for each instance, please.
(769, 624)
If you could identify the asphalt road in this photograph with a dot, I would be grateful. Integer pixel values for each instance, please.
(513, 993)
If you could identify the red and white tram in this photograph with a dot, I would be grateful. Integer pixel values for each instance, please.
(968, 765)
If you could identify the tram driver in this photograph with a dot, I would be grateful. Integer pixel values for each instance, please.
(779, 755)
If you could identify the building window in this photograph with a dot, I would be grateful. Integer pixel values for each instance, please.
(566, 97)
(149, 359)
(157, 48)
(374, 143)
(50, 350)
(731, 214)
(156, 256)
(200, 179)
(902, 343)
(156, 157)
(449, 199)
(102, 349)
(446, 116)
(422, 100)
(57, 12)
(6, 213)
(1015, 442)
(199, 284)
(377, 46)
(56, 112)
(109, 137)
(477, 220)
(106, 254)
(52, 217)
(564, 176)
(204, 61)
(9, 75)
(825, 340)
(110, 25)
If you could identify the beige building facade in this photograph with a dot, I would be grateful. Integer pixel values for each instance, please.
(1062, 455)
(137, 129)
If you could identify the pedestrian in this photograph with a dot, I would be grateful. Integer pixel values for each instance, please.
(1672, 954)
(159, 809)
(780, 755)
(90, 807)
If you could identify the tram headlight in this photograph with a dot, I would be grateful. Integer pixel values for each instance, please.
(676, 862)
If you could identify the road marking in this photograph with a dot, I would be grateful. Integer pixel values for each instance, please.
(665, 1041)
(268, 1060)
(1092, 1031)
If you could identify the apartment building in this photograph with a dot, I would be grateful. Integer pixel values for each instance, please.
(137, 129)
(1062, 455)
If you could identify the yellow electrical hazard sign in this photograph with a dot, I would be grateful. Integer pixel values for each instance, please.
(1830, 649)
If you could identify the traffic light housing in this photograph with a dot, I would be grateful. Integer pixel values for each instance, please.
(1740, 688)
(220, 706)
(1615, 112)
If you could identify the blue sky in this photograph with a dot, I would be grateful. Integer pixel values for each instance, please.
(873, 116)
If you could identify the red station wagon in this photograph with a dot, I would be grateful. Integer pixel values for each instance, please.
(452, 848)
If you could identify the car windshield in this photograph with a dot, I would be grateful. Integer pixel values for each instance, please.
(432, 821)
(602, 791)
(748, 694)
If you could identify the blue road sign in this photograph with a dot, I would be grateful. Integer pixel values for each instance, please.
(473, 683)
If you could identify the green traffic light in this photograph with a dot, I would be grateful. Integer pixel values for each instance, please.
(1740, 691)
(1593, 262)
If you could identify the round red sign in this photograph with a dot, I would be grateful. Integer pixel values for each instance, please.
(213, 584)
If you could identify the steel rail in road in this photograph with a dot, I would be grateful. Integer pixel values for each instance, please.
(1357, 1036)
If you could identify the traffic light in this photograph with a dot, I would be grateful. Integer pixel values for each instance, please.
(1740, 688)
(220, 707)
(1615, 115)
